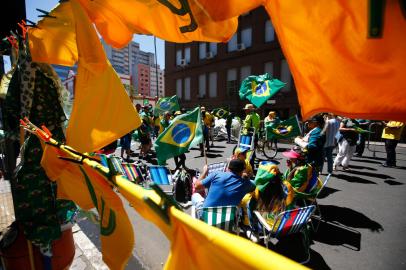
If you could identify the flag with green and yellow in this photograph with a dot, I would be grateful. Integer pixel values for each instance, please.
(284, 129)
(164, 104)
(220, 113)
(184, 132)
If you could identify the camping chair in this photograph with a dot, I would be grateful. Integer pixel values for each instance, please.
(128, 170)
(286, 223)
(222, 217)
(161, 176)
(246, 141)
(217, 167)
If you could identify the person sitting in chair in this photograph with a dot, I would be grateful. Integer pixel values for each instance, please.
(225, 188)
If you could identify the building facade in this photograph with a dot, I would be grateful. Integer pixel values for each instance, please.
(209, 74)
(157, 82)
(132, 61)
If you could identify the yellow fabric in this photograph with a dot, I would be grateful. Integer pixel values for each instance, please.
(393, 130)
(88, 189)
(102, 111)
(211, 248)
(335, 66)
(208, 120)
(54, 41)
(118, 20)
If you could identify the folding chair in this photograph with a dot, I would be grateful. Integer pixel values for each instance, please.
(246, 141)
(222, 217)
(217, 167)
(128, 170)
(161, 176)
(286, 223)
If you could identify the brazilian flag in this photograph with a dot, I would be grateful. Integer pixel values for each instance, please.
(183, 133)
(166, 104)
(267, 173)
(220, 113)
(284, 129)
(258, 89)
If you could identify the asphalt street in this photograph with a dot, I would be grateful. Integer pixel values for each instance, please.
(363, 211)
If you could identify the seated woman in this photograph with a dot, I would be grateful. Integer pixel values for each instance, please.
(241, 154)
(301, 180)
(268, 198)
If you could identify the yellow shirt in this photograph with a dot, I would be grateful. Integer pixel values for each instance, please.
(208, 120)
(393, 130)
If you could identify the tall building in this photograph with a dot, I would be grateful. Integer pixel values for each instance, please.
(210, 74)
(157, 90)
(132, 61)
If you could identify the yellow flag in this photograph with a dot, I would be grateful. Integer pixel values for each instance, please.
(177, 21)
(54, 40)
(336, 67)
(102, 111)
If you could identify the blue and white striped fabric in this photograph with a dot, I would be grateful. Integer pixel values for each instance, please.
(217, 167)
(246, 142)
(160, 175)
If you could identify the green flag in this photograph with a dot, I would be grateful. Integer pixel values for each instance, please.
(220, 113)
(183, 133)
(266, 174)
(258, 89)
(166, 104)
(284, 129)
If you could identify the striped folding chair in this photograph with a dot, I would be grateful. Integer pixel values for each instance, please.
(222, 217)
(286, 223)
(161, 176)
(246, 141)
(217, 167)
(128, 170)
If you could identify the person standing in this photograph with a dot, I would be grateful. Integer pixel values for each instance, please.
(206, 129)
(391, 133)
(346, 143)
(229, 123)
(252, 119)
(331, 126)
(271, 119)
(364, 124)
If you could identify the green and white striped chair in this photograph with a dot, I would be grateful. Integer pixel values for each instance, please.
(223, 217)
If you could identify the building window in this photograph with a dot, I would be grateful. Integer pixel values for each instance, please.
(246, 37)
(187, 88)
(232, 83)
(202, 85)
(213, 48)
(187, 55)
(232, 43)
(213, 84)
(269, 31)
(178, 57)
(179, 88)
(245, 71)
(286, 77)
(202, 50)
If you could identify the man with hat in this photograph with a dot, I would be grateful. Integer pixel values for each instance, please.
(225, 188)
(313, 142)
(252, 120)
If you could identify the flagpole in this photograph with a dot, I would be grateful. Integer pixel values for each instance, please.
(204, 153)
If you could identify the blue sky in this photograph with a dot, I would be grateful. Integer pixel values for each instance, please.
(146, 42)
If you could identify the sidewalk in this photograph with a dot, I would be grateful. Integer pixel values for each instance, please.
(87, 256)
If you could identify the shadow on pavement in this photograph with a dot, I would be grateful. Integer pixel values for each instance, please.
(326, 191)
(349, 217)
(215, 151)
(333, 233)
(362, 167)
(393, 183)
(367, 161)
(291, 246)
(317, 262)
(377, 175)
(354, 179)
(217, 146)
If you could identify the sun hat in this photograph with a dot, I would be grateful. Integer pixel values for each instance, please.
(249, 107)
(295, 153)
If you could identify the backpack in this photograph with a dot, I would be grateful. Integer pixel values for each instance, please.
(183, 185)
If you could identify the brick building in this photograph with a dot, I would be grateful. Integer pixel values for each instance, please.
(210, 74)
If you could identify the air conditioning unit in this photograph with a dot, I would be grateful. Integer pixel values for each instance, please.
(182, 62)
(209, 55)
(240, 47)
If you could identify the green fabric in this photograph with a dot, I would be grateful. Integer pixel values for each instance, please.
(164, 104)
(284, 129)
(165, 123)
(252, 120)
(258, 89)
(220, 113)
(266, 174)
(184, 132)
(33, 92)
